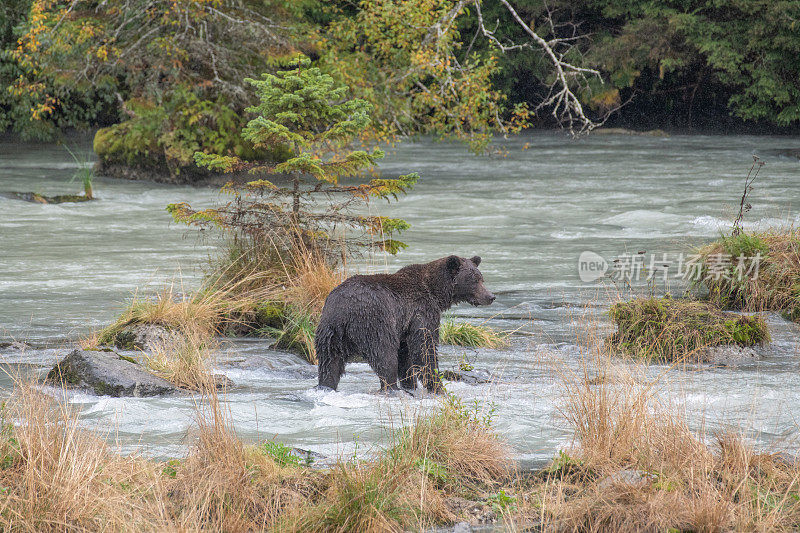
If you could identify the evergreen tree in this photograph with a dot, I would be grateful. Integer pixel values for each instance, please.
(300, 202)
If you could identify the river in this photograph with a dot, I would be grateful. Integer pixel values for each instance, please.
(529, 211)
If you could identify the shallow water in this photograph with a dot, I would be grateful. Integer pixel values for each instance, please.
(66, 269)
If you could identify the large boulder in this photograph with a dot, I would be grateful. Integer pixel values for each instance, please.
(106, 373)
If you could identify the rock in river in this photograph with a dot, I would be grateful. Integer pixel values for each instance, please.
(107, 373)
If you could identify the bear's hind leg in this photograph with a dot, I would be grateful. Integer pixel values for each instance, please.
(384, 364)
(330, 373)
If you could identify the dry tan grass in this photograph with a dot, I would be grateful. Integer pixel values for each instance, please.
(59, 477)
(455, 446)
(309, 280)
(681, 482)
(184, 360)
(226, 485)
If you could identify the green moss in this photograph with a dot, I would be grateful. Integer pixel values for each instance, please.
(270, 315)
(37, 198)
(667, 329)
(118, 335)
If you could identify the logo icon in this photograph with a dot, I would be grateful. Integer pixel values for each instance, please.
(591, 267)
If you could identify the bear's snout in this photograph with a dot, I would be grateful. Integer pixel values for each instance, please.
(483, 298)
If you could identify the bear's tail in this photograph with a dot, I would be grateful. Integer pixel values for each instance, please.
(331, 356)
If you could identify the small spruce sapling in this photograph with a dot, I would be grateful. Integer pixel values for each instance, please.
(303, 202)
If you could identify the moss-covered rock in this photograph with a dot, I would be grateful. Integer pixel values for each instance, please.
(145, 337)
(667, 329)
(37, 198)
(106, 373)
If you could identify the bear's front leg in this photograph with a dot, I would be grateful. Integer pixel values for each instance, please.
(422, 346)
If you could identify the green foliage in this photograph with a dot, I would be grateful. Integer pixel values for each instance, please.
(765, 279)
(171, 468)
(85, 173)
(436, 472)
(167, 135)
(422, 66)
(308, 113)
(502, 502)
(411, 62)
(744, 245)
(564, 464)
(280, 453)
(76, 64)
(294, 330)
(9, 446)
(667, 329)
(749, 49)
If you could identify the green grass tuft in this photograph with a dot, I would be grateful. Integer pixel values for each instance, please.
(471, 335)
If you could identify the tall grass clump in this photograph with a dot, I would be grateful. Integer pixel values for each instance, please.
(227, 485)
(637, 466)
(184, 360)
(57, 476)
(450, 452)
(472, 335)
(667, 329)
(85, 174)
(773, 286)
(202, 314)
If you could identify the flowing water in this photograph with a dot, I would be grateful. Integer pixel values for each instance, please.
(529, 212)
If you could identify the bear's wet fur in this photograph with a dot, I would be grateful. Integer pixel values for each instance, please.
(392, 321)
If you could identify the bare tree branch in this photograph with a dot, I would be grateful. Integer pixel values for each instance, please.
(566, 106)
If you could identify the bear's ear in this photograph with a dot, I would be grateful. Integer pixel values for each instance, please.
(476, 260)
(453, 265)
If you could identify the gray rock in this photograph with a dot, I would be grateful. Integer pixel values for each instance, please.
(728, 354)
(107, 374)
(149, 337)
(631, 478)
(462, 527)
(222, 382)
(145, 337)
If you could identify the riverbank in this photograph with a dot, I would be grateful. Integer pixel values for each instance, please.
(634, 464)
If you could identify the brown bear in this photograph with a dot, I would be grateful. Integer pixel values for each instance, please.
(392, 321)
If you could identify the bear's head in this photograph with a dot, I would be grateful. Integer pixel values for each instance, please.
(468, 281)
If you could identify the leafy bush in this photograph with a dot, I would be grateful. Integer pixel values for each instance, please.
(164, 136)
